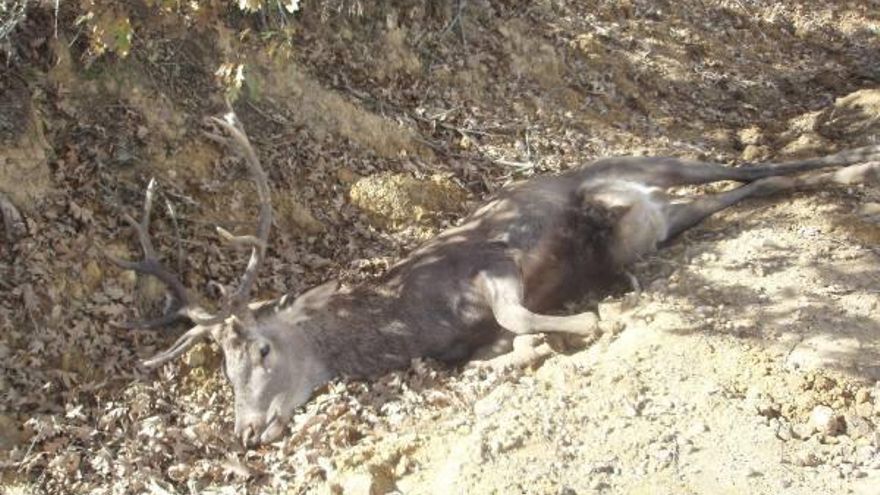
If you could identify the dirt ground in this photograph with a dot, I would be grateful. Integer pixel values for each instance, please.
(748, 363)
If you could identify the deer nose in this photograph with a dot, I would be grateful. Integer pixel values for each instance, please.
(248, 431)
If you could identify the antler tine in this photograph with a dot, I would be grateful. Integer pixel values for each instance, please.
(237, 137)
(150, 265)
(181, 345)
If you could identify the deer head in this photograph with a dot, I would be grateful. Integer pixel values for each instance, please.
(264, 380)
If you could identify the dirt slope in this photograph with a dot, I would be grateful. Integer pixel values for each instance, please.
(749, 363)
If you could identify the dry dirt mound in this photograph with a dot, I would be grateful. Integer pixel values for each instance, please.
(749, 364)
(394, 200)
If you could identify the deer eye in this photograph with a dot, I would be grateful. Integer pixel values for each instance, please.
(264, 350)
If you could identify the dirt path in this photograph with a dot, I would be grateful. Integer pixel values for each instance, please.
(703, 392)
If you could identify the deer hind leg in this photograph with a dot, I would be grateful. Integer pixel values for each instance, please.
(504, 292)
(668, 171)
(520, 352)
(503, 289)
(681, 216)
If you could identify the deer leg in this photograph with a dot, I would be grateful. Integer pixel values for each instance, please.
(504, 291)
(528, 350)
(668, 171)
(681, 216)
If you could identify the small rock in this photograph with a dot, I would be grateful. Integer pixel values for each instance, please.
(831, 440)
(865, 454)
(824, 420)
(599, 484)
(697, 428)
(767, 408)
(611, 310)
(753, 153)
(865, 409)
(492, 402)
(807, 458)
(784, 432)
(808, 143)
(366, 483)
(603, 467)
(802, 431)
(857, 426)
(751, 135)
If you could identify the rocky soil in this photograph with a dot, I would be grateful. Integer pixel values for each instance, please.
(748, 363)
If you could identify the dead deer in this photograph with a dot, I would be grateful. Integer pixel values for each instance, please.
(536, 246)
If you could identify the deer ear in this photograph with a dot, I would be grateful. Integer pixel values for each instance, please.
(316, 296)
(236, 326)
(229, 329)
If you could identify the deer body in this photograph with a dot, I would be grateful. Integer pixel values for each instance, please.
(433, 304)
(536, 246)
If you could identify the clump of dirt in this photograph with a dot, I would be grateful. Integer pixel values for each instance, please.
(847, 122)
(856, 114)
(393, 201)
(24, 164)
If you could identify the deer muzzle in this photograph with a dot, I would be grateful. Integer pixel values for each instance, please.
(254, 429)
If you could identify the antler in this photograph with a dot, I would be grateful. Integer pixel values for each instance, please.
(236, 304)
(151, 265)
(239, 298)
